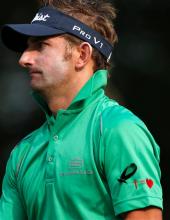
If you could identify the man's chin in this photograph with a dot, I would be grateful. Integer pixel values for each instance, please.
(36, 88)
(40, 89)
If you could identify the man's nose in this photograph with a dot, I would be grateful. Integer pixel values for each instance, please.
(27, 59)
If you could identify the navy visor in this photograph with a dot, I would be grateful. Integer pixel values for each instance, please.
(50, 22)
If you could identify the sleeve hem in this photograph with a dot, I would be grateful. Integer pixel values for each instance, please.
(140, 203)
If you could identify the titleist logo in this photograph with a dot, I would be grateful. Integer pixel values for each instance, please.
(87, 36)
(40, 17)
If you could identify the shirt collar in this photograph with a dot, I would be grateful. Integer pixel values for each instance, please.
(96, 82)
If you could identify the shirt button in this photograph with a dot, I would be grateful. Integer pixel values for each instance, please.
(55, 138)
(50, 159)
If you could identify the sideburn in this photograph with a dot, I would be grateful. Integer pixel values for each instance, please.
(68, 51)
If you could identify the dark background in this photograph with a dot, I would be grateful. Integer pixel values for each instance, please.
(140, 79)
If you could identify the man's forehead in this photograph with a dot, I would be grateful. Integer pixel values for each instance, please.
(44, 38)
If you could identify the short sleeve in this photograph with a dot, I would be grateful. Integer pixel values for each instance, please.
(126, 141)
(10, 204)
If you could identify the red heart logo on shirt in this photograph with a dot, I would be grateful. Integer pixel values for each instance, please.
(149, 182)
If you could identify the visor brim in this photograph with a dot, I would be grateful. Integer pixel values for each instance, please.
(15, 36)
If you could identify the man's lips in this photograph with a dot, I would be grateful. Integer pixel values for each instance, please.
(34, 72)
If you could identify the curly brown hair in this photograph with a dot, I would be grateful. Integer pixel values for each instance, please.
(98, 14)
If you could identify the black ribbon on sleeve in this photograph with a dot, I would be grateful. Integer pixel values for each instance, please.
(127, 173)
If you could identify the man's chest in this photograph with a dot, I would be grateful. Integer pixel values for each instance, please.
(65, 161)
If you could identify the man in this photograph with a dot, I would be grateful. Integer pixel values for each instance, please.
(92, 158)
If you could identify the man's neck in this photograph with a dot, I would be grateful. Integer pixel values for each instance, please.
(57, 103)
(57, 100)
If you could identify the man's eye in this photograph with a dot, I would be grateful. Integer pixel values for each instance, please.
(37, 44)
(41, 44)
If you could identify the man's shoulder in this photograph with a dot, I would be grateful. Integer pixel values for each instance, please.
(27, 141)
(115, 115)
(24, 147)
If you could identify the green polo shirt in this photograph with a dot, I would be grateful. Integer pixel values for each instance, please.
(94, 160)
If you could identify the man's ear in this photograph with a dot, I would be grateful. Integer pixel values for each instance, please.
(85, 55)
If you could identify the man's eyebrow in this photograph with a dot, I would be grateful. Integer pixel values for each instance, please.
(36, 39)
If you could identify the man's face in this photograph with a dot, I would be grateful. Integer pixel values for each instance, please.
(49, 64)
